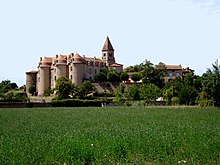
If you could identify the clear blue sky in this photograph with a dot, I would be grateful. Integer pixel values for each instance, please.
(185, 32)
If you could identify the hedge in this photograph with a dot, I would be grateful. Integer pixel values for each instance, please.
(76, 103)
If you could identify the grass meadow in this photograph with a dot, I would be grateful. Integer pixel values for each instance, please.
(110, 135)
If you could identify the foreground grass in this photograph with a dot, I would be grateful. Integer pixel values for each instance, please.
(110, 135)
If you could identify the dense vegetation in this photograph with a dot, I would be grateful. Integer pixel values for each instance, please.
(190, 90)
(110, 135)
(9, 92)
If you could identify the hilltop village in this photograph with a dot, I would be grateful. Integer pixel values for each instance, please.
(79, 68)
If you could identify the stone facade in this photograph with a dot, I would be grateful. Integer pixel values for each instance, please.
(77, 68)
(174, 71)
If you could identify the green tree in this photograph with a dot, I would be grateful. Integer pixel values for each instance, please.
(48, 92)
(64, 88)
(119, 93)
(169, 94)
(32, 90)
(211, 81)
(113, 76)
(132, 93)
(149, 92)
(187, 95)
(6, 86)
(154, 74)
(105, 70)
(136, 77)
(101, 77)
(85, 88)
(124, 76)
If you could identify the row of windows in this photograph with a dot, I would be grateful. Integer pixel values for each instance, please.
(170, 74)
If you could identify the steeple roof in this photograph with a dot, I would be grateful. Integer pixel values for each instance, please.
(107, 45)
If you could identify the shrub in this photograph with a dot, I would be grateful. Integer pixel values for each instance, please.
(48, 92)
(32, 89)
(206, 103)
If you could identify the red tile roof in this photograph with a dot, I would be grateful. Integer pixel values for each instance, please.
(116, 65)
(173, 67)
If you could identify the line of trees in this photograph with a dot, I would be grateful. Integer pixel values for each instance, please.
(190, 90)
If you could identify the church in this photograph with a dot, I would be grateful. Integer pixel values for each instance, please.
(77, 68)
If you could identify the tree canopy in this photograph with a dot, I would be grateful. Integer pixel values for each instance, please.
(64, 88)
(211, 81)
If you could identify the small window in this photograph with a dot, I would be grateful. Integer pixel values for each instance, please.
(38, 79)
(71, 77)
(177, 74)
(55, 78)
(71, 68)
(170, 74)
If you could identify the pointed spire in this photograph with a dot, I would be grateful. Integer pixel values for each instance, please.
(107, 45)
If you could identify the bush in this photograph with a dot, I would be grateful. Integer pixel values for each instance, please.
(48, 92)
(175, 100)
(32, 89)
(206, 103)
(21, 96)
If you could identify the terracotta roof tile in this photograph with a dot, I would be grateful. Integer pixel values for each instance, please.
(93, 59)
(174, 67)
(116, 65)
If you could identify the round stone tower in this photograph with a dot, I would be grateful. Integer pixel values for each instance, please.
(78, 69)
(31, 80)
(61, 66)
(44, 75)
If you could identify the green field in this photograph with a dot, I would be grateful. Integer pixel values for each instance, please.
(110, 135)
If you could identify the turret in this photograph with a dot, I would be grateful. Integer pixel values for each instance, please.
(61, 66)
(77, 70)
(31, 80)
(44, 75)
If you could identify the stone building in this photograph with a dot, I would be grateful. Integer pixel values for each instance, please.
(174, 71)
(77, 68)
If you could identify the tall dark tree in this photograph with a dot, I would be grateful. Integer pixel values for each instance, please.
(101, 77)
(136, 77)
(113, 76)
(211, 81)
(124, 76)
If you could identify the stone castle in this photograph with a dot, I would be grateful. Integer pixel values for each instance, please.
(77, 68)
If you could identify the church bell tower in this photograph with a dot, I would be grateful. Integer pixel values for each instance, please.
(108, 53)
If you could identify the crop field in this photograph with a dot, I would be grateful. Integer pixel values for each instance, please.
(110, 135)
